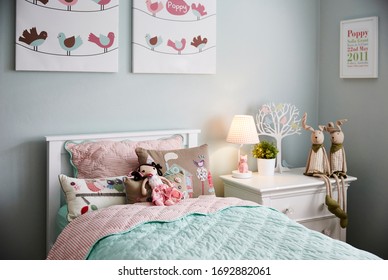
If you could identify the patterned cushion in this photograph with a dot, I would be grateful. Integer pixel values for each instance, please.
(187, 168)
(84, 195)
(98, 159)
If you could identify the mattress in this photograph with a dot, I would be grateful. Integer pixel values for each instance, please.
(202, 228)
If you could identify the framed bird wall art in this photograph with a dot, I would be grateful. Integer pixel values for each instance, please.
(67, 35)
(174, 36)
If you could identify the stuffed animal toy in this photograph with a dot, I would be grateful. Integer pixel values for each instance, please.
(337, 152)
(338, 168)
(317, 162)
(318, 166)
(243, 164)
(163, 192)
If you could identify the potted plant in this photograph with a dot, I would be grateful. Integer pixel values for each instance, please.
(265, 152)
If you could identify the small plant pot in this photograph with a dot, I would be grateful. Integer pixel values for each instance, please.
(266, 167)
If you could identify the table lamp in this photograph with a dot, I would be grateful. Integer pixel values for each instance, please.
(242, 131)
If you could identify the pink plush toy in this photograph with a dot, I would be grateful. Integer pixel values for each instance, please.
(163, 192)
(243, 164)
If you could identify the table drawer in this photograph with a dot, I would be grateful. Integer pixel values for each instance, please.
(301, 206)
(327, 226)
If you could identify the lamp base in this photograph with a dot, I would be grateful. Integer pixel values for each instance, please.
(239, 175)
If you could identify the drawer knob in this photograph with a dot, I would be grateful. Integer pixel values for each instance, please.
(288, 211)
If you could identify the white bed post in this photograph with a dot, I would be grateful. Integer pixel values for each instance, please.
(53, 198)
(192, 140)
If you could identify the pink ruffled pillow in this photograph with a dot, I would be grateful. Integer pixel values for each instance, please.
(97, 159)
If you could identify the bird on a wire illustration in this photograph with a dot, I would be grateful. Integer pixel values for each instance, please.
(102, 3)
(68, 3)
(154, 7)
(32, 38)
(70, 43)
(44, 2)
(177, 45)
(103, 41)
(153, 41)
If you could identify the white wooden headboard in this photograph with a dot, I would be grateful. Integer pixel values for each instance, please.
(58, 163)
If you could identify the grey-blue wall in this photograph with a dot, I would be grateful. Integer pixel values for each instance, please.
(256, 60)
(266, 51)
(364, 103)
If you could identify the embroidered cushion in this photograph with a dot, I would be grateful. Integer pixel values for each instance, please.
(84, 195)
(187, 168)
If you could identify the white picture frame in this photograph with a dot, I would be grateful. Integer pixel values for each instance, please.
(359, 48)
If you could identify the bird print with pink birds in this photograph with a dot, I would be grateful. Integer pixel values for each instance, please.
(174, 36)
(67, 35)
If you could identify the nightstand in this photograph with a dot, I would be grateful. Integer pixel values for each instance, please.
(300, 197)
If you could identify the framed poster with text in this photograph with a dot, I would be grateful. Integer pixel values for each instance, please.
(359, 48)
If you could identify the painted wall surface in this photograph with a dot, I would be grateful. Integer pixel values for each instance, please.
(266, 51)
(364, 103)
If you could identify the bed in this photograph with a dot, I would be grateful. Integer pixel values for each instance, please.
(199, 226)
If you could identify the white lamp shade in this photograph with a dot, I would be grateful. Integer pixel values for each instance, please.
(243, 130)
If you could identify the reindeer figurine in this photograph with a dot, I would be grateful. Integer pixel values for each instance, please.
(338, 168)
(317, 162)
(337, 152)
(318, 166)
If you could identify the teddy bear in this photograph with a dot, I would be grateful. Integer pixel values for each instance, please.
(163, 192)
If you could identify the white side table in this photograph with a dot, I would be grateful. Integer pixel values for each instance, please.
(300, 197)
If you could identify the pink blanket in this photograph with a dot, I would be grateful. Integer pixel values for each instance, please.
(81, 234)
